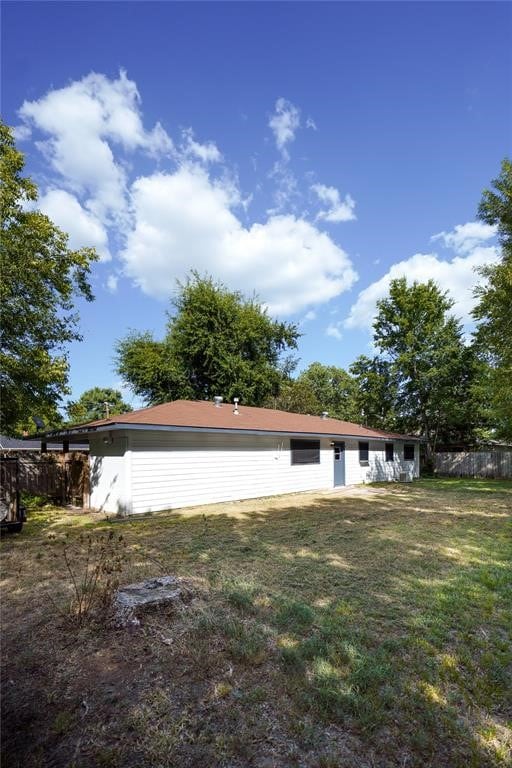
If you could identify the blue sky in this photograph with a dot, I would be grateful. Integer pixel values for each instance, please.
(306, 151)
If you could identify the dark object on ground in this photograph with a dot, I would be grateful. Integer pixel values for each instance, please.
(12, 513)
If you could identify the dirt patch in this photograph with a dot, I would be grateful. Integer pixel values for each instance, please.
(359, 490)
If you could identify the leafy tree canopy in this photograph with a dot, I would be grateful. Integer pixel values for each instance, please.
(430, 369)
(318, 388)
(91, 405)
(39, 278)
(376, 392)
(494, 309)
(334, 389)
(496, 206)
(218, 342)
(295, 396)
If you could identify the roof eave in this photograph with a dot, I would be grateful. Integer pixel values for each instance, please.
(83, 431)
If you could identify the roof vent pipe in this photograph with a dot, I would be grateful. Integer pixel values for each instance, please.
(325, 414)
(217, 400)
(236, 400)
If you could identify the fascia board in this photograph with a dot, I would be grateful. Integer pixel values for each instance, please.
(226, 431)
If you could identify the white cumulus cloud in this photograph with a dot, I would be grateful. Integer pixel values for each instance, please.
(205, 153)
(334, 330)
(84, 120)
(284, 123)
(457, 275)
(286, 192)
(21, 132)
(185, 219)
(465, 237)
(83, 228)
(112, 281)
(193, 215)
(337, 210)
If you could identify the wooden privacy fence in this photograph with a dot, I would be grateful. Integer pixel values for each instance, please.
(64, 479)
(496, 464)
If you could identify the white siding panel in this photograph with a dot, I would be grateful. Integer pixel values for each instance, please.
(110, 485)
(178, 470)
(378, 469)
(145, 471)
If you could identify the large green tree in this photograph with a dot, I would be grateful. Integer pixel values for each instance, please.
(494, 309)
(39, 279)
(430, 367)
(295, 396)
(376, 392)
(218, 342)
(334, 389)
(318, 388)
(95, 403)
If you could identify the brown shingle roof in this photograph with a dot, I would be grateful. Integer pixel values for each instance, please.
(205, 415)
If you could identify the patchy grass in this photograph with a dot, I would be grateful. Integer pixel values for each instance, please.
(466, 485)
(371, 627)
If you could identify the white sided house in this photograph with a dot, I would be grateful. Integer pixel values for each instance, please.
(186, 453)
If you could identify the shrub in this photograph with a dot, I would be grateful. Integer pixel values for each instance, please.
(34, 501)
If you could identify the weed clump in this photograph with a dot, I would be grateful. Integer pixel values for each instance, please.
(93, 564)
(241, 594)
(294, 616)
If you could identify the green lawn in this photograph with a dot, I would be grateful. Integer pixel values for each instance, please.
(362, 629)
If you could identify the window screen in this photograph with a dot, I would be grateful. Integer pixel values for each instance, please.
(305, 451)
(389, 452)
(409, 452)
(364, 450)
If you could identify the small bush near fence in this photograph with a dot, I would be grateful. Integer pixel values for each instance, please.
(33, 501)
(493, 464)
